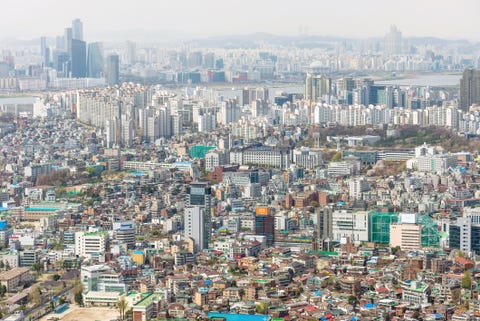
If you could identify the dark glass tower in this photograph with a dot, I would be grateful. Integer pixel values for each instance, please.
(112, 70)
(79, 59)
(95, 61)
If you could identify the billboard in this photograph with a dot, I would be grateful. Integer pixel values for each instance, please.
(262, 210)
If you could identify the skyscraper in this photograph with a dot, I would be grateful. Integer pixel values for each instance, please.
(67, 38)
(393, 41)
(130, 54)
(112, 70)
(61, 63)
(317, 87)
(469, 88)
(324, 223)
(95, 60)
(44, 52)
(79, 59)
(265, 224)
(77, 29)
(199, 208)
(194, 224)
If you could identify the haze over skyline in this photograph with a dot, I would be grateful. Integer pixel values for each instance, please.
(347, 18)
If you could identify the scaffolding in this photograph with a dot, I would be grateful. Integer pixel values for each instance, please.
(380, 226)
(199, 151)
(430, 232)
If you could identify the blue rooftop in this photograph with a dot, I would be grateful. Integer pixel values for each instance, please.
(239, 317)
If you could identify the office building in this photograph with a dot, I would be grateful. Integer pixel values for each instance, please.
(351, 225)
(79, 59)
(195, 228)
(393, 41)
(407, 233)
(87, 244)
(112, 70)
(317, 87)
(469, 88)
(131, 53)
(67, 38)
(61, 63)
(464, 233)
(357, 186)
(44, 52)
(77, 29)
(324, 226)
(95, 61)
(307, 158)
(434, 159)
(199, 212)
(215, 158)
(265, 224)
(124, 233)
(101, 278)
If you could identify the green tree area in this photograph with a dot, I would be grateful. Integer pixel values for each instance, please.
(78, 294)
(412, 136)
(409, 136)
(467, 280)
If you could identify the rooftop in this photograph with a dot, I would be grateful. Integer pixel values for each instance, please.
(13, 273)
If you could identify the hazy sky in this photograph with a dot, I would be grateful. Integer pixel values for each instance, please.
(452, 19)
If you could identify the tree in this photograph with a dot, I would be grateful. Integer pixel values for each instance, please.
(78, 294)
(37, 267)
(395, 250)
(122, 306)
(3, 290)
(35, 295)
(337, 156)
(2, 264)
(262, 307)
(352, 300)
(467, 280)
(78, 298)
(56, 277)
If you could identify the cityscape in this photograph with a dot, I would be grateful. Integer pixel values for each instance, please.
(240, 167)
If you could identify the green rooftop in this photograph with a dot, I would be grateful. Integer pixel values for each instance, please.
(323, 253)
(94, 234)
(150, 297)
(41, 209)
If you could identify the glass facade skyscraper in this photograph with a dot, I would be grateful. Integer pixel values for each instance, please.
(79, 59)
(112, 70)
(95, 61)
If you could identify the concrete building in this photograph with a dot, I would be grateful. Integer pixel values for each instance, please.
(194, 225)
(469, 88)
(307, 158)
(407, 233)
(317, 87)
(357, 186)
(415, 292)
(15, 277)
(101, 278)
(350, 224)
(87, 244)
(215, 158)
